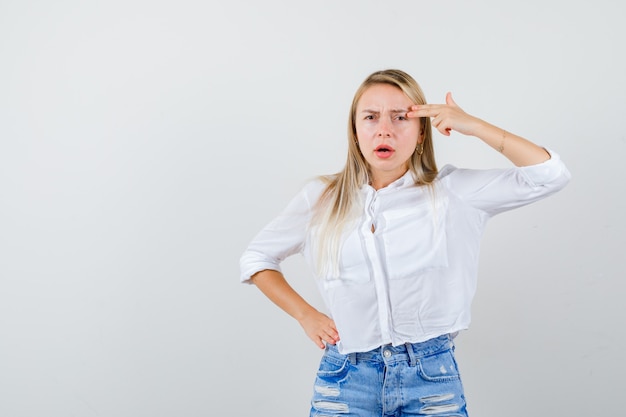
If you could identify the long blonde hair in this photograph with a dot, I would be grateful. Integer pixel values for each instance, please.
(340, 201)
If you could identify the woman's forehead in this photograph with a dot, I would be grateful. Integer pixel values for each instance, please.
(384, 97)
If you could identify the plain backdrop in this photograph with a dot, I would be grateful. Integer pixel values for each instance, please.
(144, 143)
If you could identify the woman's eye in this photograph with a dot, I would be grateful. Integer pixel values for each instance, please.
(369, 117)
(401, 118)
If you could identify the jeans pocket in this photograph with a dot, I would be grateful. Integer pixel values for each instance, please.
(333, 369)
(440, 367)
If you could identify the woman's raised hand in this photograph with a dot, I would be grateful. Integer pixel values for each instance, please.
(446, 117)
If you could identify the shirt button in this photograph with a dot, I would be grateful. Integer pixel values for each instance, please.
(386, 353)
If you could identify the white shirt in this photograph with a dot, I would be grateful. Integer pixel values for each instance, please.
(414, 277)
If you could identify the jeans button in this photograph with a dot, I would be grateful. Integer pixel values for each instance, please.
(386, 353)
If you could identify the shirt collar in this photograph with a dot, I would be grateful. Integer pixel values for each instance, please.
(405, 180)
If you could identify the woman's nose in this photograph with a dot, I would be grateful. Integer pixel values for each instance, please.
(384, 128)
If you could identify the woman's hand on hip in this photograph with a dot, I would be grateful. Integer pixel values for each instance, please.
(320, 328)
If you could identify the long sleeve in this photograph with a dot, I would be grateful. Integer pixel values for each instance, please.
(497, 190)
(283, 236)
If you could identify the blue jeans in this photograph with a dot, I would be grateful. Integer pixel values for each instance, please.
(418, 379)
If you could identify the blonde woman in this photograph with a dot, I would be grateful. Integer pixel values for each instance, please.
(394, 244)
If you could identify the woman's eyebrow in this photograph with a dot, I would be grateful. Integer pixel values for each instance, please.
(390, 111)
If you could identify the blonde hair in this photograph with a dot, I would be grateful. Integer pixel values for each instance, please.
(340, 203)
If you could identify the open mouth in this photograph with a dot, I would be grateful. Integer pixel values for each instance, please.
(384, 148)
(384, 151)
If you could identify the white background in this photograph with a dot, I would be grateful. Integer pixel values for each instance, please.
(144, 143)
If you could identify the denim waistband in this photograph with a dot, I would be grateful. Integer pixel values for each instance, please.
(410, 352)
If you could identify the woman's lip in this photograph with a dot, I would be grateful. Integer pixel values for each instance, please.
(379, 147)
(384, 154)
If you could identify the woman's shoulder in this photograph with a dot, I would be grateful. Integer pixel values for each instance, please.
(318, 183)
(446, 171)
(314, 187)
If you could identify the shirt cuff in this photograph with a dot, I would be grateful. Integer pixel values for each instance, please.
(252, 267)
(546, 172)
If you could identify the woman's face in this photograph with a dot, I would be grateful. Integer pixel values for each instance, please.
(387, 138)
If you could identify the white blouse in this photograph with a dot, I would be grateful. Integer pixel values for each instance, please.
(414, 277)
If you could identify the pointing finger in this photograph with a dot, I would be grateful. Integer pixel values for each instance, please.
(424, 110)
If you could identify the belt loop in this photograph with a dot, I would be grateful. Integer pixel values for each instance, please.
(352, 358)
(451, 340)
(411, 353)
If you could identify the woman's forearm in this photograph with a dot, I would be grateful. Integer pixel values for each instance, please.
(518, 150)
(275, 287)
(318, 326)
